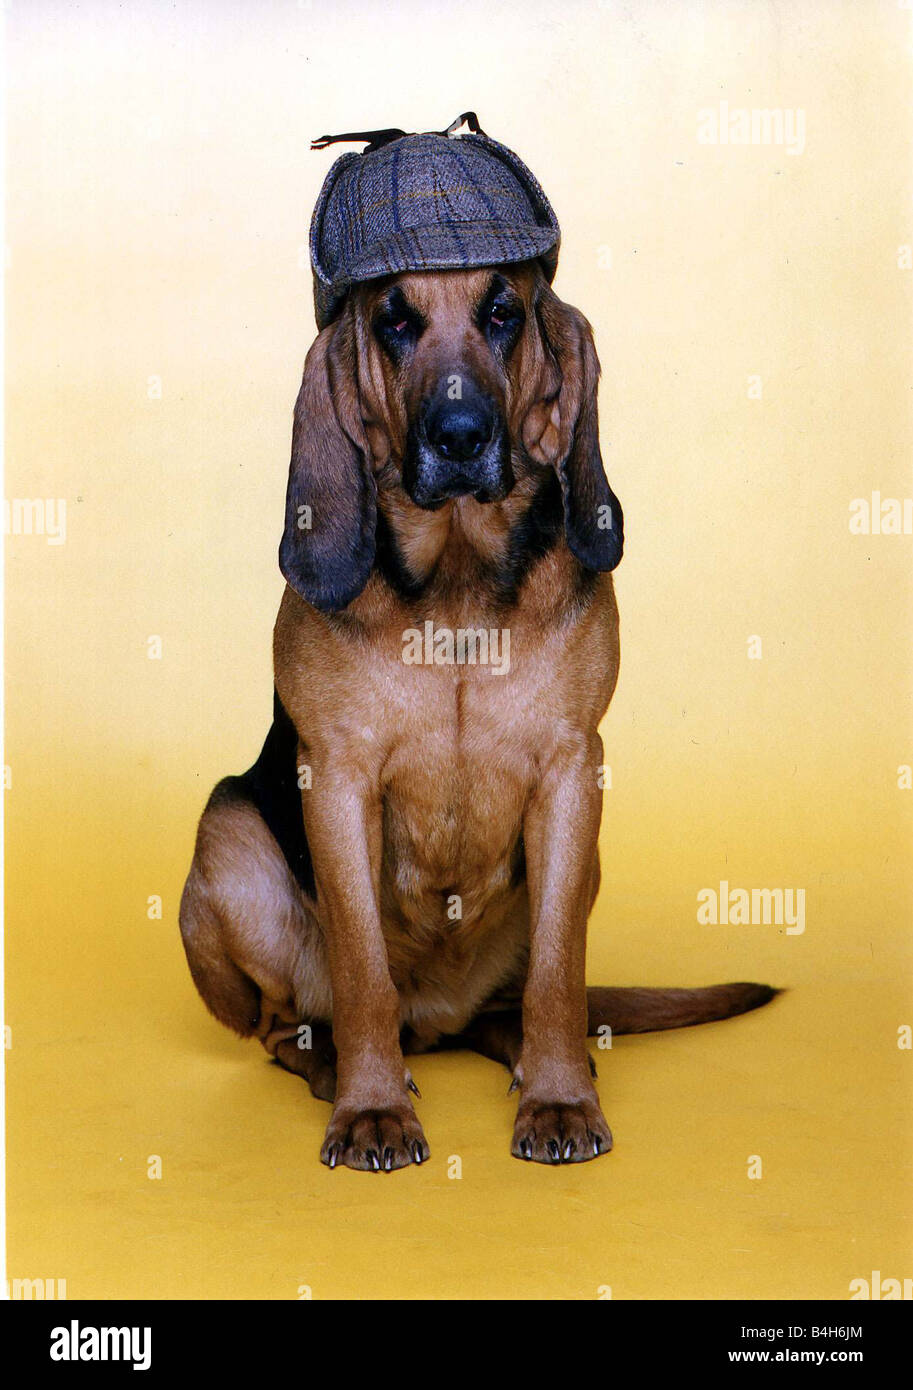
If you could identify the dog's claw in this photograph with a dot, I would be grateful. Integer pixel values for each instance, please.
(413, 1088)
(514, 1085)
(558, 1132)
(375, 1141)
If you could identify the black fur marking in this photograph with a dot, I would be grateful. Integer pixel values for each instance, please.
(272, 786)
(390, 564)
(535, 534)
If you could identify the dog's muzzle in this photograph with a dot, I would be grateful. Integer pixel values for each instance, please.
(457, 448)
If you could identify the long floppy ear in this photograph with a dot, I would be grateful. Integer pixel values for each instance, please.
(561, 427)
(327, 549)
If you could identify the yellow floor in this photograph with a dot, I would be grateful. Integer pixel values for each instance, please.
(114, 1062)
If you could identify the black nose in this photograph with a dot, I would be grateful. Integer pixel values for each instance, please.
(460, 431)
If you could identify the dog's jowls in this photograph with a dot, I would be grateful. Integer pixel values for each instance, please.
(411, 862)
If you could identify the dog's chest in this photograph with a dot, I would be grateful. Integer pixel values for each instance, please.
(462, 761)
(453, 898)
(468, 735)
(455, 784)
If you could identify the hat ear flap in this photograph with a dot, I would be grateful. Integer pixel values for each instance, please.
(562, 428)
(327, 549)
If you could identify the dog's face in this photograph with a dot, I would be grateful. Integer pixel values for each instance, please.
(448, 348)
(440, 386)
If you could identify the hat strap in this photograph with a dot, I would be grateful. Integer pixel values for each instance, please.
(468, 118)
(375, 138)
(378, 138)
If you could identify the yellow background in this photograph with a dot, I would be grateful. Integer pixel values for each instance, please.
(160, 187)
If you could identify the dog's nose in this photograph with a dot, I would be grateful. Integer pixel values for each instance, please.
(459, 431)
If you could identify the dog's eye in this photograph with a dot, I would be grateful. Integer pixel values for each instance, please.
(395, 325)
(396, 329)
(504, 318)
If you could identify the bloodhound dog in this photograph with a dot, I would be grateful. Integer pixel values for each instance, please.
(411, 861)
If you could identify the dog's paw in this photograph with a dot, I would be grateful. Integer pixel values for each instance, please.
(377, 1141)
(554, 1132)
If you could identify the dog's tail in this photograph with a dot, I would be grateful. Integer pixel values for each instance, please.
(636, 1010)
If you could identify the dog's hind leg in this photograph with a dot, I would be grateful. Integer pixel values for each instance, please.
(496, 1035)
(253, 946)
(303, 1048)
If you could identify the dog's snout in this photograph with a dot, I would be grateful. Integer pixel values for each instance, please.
(460, 430)
(457, 447)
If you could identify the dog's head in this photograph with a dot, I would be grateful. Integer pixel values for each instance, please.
(441, 386)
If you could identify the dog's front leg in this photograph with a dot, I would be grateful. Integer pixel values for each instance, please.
(373, 1125)
(559, 1119)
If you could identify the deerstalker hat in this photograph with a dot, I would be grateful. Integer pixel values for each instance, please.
(434, 201)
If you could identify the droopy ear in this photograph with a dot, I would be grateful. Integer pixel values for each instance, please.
(327, 549)
(561, 427)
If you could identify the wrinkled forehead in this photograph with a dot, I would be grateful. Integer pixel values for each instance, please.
(436, 294)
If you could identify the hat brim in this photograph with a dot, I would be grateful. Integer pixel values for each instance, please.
(460, 245)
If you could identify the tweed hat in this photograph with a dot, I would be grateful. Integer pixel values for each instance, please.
(434, 201)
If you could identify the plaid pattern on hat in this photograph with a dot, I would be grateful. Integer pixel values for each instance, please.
(426, 202)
